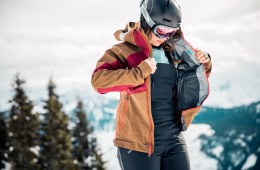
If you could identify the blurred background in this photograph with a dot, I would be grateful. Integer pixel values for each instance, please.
(55, 44)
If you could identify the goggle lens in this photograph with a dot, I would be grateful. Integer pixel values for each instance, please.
(164, 32)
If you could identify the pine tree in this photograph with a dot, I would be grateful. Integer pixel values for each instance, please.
(3, 142)
(80, 134)
(85, 149)
(23, 130)
(97, 162)
(55, 135)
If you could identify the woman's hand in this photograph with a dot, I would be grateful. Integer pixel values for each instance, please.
(152, 63)
(202, 57)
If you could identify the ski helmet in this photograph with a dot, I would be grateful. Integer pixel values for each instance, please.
(161, 12)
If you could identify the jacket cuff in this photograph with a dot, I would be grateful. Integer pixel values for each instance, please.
(146, 69)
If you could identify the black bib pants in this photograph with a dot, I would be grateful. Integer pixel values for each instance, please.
(170, 150)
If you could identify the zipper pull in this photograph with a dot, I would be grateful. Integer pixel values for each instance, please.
(153, 82)
(150, 151)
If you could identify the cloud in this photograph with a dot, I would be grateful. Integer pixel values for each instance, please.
(202, 11)
(65, 38)
(230, 41)
(37, 13)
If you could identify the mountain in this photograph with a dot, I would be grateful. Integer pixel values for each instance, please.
(227, 138)
(100, 109)
(235, 143)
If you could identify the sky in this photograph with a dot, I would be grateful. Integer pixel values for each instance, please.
(64, 39)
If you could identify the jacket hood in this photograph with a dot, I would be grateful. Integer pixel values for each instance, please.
(134, 34)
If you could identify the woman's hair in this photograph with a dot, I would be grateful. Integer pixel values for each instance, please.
(145, 26)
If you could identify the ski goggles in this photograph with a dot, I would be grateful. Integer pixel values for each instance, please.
(162, 31)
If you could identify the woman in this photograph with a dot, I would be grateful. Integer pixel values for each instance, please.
(143, 68)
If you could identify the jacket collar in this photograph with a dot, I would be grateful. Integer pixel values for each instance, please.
(135, 35)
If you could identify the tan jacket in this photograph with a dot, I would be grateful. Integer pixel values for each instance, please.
(122, 68)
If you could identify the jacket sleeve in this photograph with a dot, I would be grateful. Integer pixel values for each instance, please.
(111, 73)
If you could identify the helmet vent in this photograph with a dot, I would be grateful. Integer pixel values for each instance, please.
(167, 20)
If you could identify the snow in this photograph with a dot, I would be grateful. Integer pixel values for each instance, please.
(105, 141)
(11, 148)
(241, 142)
(251, 160)
(35, 150)
(250, 137)
(258, 108)
(198, 159)
(14, 117)
(75, 161)
(7, 166)
(98, 114)
(109, 110)
(217, 150)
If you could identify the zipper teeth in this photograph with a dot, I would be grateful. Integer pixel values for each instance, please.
(183, 125)
(150, 138)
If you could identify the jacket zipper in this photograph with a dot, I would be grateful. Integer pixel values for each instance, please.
(153, 79)
(150, 136)
(183, 125)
